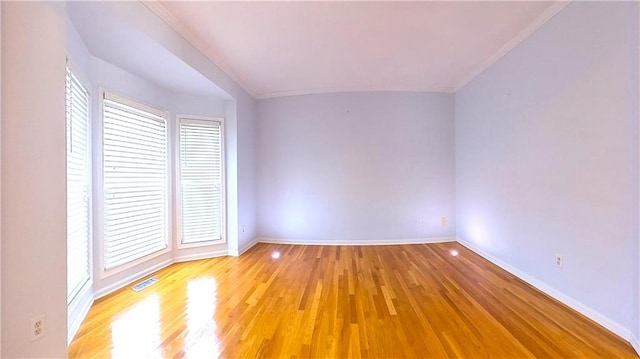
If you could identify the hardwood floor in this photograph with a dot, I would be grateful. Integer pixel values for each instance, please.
(335, 302)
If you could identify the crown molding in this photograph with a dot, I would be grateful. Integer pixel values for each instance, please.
(301, 92)
(547, 15)
(156, 7)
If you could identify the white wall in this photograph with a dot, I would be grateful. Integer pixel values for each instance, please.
(547, 157)
(356, 167)
(247, 139)
(635, 313)
(0, 178)
(33, 178)
(78, 55)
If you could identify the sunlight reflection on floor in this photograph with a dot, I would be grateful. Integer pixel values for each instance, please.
(202, 341)
(136, 332)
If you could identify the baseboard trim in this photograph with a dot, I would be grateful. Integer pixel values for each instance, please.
(132, 278)
(245, 248)
(382, 242)
(198, 256)
(574, 304)
(79, 309)
(178, 259)
(635, 343)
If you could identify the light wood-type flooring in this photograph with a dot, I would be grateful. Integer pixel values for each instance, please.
(404, 301)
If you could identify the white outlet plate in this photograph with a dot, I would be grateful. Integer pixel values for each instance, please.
(443, 221)
(559, 261)
(37, 327)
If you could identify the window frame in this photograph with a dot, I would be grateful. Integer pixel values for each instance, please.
(87, 285)
(178, 183)
(100, 198)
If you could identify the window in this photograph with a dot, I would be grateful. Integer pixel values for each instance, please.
(201, 181)
(78, 180)
(135, 181)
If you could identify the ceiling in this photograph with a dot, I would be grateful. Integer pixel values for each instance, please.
(288, 48)
(112, 39)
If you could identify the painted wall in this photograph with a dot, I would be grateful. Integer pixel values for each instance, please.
(635, 302)
(547, 159)
(33, 178)
(356, 167)
(247, 163)
(0, 178)
(78, 55)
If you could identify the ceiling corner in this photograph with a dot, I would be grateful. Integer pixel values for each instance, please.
(538, 22)
(156, 7)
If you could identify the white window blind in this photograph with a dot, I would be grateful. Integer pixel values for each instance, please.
(135, 181)
(201, 195)
(78, 177)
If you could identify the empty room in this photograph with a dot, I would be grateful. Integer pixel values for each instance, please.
(326, 179)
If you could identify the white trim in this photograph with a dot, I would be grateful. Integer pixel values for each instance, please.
(180, 245)
(547, 15)
(334, 90)
(576, 305)
(132, 278)
(78, 309)
(167, 17)
(355, 242)
(131, 102)
(201, 255)
(635, 343)
(106, 273)
(195, 118)
(246, 247)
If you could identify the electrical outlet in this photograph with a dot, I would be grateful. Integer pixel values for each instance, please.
(37, 327)
(242, 229)
(558, 261)
(443, 221)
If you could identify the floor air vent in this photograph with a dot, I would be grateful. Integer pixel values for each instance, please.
(142, 285)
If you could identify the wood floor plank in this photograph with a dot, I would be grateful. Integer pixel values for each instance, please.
(408, 301)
